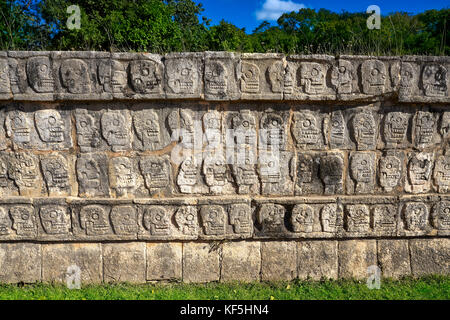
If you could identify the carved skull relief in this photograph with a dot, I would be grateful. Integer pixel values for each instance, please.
(4, 77)
(23, 221)
(331, 173)
(212, 122)
(271, 217)
(385, 219)
(39, 74)
(88, 173)
(416, 216)
(122, 175)
(245, 176)
(272, 130)
(357, 218)
(390, 172)
(56, 173)
(156, 172)
(124, 220)
(187, 175)
(50, 125)
(441, 215)
(395, 127)
(442, 173)
(119, 77)
(329, 217)
(305, 128)
(419, 171)
(183, 76)
(364, 130)
(302, 218)
(342, 77)
(425, 126)
(24, 170)
(216, 78)
(145, 76)
(187, 220)
(374, 77)
(213, 219)
(434, 80)
(408, 78)
(75, 76)
(94, 220)
(5, 222)
(88, 132)
(157, 220)
(244, 126)
(240, 218)
(147, 128)
(250, 78)
(312, 75)
(276, 74)
(55, 219)
(114, 129)
(215, 171)
(337, 130)
(362, 171)
(18, 126)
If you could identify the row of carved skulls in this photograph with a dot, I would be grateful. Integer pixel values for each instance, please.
(157, 220)
(145, 76)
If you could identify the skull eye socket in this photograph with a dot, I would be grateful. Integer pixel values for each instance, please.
(271, 164)
(363, 162)
(95, 216)
(18, 121)
(447, 166)
(447, 210)
(83, 124)
(51, 120)
(116, 122)
(245, 124)
(247, 161)
(185, 72)
(53, 214)
(275, 122)
(367, 125)
(25, 216)
(342, 69)
(190, 217)
(375, 72)
(315, 72)
(43, 68)
(145, 71)
(306, 123)
(389, 166)
(335, 124)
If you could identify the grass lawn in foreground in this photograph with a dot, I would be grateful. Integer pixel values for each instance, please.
(434, 287)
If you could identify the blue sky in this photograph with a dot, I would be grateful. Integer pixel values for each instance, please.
(250, 13)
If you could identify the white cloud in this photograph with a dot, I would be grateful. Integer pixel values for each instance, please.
(273, 9)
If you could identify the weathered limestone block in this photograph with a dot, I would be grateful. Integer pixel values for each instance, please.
(262, 76)
(241, 261)
(20, 262)
(31, 75)
(82, 75)
(184, 75)
(164, 261)
(222, 75)
(201, 262)
(430, 256)
(57, 258)
(278, 260)
(124, 262)
(355, 256)
(317, 259)
(137, 76)
(393, 257)
(5, 86)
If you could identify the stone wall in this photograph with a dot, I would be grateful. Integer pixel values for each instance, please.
(222, 166)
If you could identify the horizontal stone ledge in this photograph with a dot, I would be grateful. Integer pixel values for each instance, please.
(221, 76)
(218, 218)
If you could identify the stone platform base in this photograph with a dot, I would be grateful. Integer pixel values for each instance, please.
(194, 262)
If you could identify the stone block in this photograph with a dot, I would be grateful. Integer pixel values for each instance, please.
(20, 262)
(317, 259)
(241, 261)
(355, 256)
(430, 256)
(201, 262)
(393, 257)
(124, 262)
(278, 260)
(164, 261)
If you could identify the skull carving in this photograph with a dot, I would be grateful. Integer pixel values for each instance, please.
(441, 215)
(416, 216)
(250, 78)
(24, 221)
(408, 78)
(24, 170)
(269, 168)
(104, 74)
(94, 220)
(3, 173)
(4, 76)
(212, 122)
(331, 173)
(273, 130)
(119, 76)
(337, 130)
(55, 219)
(123, 176)
(18, 126)
(181, 124)
(187, 220)
(75, 76)
(342, 77)
(434, 80)
(357, 218)
(88, 172)
(39, 74)
(364, 130)
(216, 78)
(395, 127)
(271, 218)
(124, 220)
(276, 74)
(425, 126)
(390, 172)
(213, 219)
(329, 217)
(384, 219)
(240, 218)
(216, 172)
(182, 76)
(442, 173)
(145, 76)
(114, 129)
(187, 176)
(56, 173)
(156, 172)
(156, 220)
(362, 169)
(289, 77)
(245, 175)
(244, 125)
(312, 75)
(445, 125)
(302, 218)
(305, 128)
(5, 222)
(50, 125)
(374, 77)
(88, 132)
(305, 168)
(419, 171)
(147, 128)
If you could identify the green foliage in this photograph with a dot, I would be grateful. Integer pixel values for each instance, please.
(432, 287)
(162, 26)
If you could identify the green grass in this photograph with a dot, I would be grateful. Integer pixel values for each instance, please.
(435, 287)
